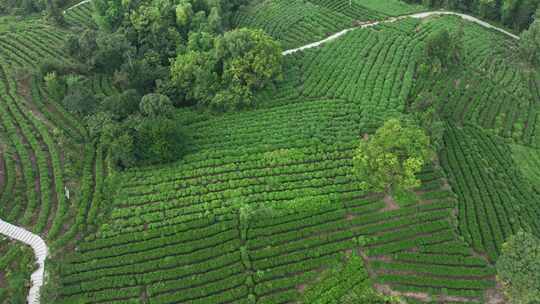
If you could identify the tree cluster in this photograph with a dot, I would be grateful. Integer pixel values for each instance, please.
(223, 72)
(180, 48)
(160, 54)
(52, 8)
(20, 7)
(516, 14)
(442, 50)
(389, 160)
(134, 129)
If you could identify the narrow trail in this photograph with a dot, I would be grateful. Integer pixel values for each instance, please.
(76, 5)
(394, 19)
(40, 252)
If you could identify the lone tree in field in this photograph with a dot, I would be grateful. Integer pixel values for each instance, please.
(389, 160)
(518, 268)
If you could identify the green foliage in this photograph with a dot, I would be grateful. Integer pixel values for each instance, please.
(82, 46)
(426, 111)
(156, 105)
(79, 99)
(55, 86)
(158, 141)
(529, 44)
(102, 51)
(405, 197)
(507, 200)
(121, 151)
(21, 7)
(443, 48)
(390, 7)
(226, 76)
(54, 11)
(17, 266)
(98, 123)
(347, 282)
(528, 161)
(295, 22)
(122, 105)
(179, 221)
(512, 13)
(518, 268)
(249, 58)
(389, 159)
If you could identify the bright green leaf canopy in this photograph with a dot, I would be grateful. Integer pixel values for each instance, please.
(390, 159)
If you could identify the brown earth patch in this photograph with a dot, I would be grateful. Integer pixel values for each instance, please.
(383, 258)
(495, 295)
(387, 290)
(301, 288)
(452, 299)
(2, 280)
(446, 185)
(144, 295)
(390, 203)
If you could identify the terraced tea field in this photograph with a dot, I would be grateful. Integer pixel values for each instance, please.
(264, 203)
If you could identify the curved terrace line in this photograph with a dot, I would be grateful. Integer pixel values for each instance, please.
(394, 19)
(40, 252)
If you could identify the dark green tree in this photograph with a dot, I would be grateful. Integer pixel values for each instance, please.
(154, 105)
(56, 86)
(122, 105)
(122, 151)
(529, 43)
(158, 140)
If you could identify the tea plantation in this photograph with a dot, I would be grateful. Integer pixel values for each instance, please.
(262, 204)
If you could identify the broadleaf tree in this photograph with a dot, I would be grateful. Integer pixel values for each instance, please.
(389, 160)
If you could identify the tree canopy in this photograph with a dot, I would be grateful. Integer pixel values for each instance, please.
(389, 160)
(170, 52)
(518, 268)
(530, 42)
(224, 72)
(181, 49)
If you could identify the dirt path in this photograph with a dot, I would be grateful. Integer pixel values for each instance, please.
(76, 5)
(394, 19)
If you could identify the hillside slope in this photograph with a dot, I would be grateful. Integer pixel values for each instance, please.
(263, 201)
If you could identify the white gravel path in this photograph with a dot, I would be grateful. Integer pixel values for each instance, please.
(76, 5)
(394, 19)
(40, 252)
